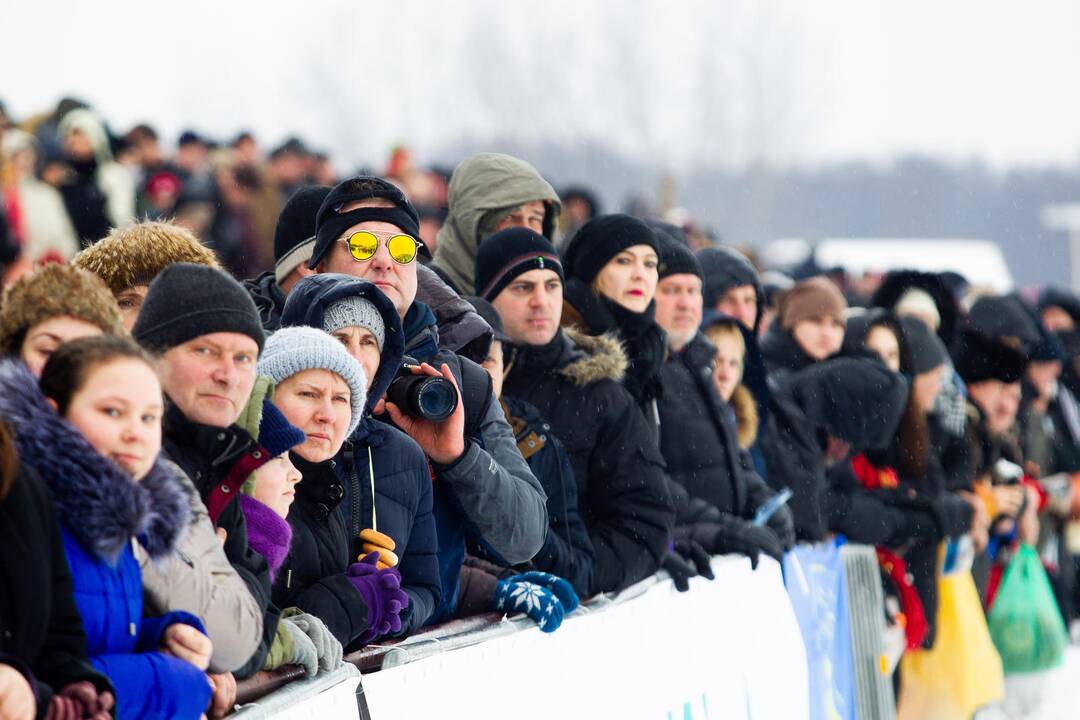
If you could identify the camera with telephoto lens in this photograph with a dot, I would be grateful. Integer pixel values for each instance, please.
(422, 396)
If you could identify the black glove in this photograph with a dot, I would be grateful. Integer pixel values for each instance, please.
(699, 511)
(783, 524)
(687, 559)
(735, 535)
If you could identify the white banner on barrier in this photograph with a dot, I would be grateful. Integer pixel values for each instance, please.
(727, 649)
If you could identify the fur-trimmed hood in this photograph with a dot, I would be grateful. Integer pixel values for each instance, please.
(94, 499)
(599, 357)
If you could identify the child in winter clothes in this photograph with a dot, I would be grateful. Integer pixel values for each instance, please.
(300, 639)
(93, 432)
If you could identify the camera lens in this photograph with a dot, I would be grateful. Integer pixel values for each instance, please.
(423, 396)
(436, 398)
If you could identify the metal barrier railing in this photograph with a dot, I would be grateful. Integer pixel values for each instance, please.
(286, 693)
(450, 635)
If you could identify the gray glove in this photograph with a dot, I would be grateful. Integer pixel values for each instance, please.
(304, 652)
(327, 647)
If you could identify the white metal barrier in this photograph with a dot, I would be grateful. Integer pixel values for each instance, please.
(729, 648)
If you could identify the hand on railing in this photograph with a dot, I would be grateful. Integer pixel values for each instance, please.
(328, 650)
(734, 535)
(544, 597)
(299, 648)
(687, 559)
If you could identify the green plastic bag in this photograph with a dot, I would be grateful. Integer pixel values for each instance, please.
(1025, 622)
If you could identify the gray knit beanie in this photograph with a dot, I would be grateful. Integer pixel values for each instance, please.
(355, 311)
(294, 349)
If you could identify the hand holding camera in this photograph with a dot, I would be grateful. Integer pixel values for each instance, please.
(416, 404)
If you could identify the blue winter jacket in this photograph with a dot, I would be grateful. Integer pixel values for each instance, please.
(102, 511)
(402, 479)
(123, 644)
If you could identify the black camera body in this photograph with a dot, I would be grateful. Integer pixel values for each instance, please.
(422, 396)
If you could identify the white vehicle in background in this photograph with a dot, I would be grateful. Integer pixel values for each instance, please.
(981, 262)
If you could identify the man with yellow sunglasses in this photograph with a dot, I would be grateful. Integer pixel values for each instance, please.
(368, 229)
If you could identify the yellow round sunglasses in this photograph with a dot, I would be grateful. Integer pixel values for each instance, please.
(363, 245)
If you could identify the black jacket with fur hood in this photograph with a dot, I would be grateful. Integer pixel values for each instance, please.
(575, 381)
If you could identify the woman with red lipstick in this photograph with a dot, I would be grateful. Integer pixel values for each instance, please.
(612, 268)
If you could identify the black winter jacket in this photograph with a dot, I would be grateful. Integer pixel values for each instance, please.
(312, 577)
(206, 455)
(41, 632)
(567, 550)
(857, 400)
(698, 437)
(575, 383)
(269, 300)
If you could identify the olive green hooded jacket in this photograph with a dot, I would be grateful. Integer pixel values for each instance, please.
(484, 189)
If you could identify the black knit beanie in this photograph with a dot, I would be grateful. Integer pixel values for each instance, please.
(186, 301)
(601, 239)
(295, 230)
(331, 223)
(509, 253)
(924, 350)
(724, 268)
(676, 258)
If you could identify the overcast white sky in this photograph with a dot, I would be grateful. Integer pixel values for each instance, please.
(679, 81)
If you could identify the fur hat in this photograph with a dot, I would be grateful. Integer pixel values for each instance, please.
(979, 358)
(55, 291)
(134, 255)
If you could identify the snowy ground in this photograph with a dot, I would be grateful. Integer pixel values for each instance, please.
(1055, 696)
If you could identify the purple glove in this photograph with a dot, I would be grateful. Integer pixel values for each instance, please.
(381, 592)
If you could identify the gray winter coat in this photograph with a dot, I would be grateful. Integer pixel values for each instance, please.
(492, 483)
(199, 579)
